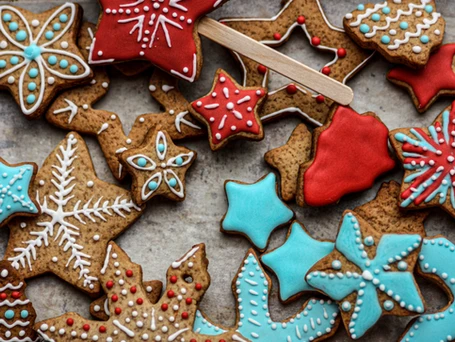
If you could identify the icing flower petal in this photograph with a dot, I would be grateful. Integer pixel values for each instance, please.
(392, 245)
(151, 185)
(53, 30)
(404, 290)
(173, 182)
(64, 64)
(141, 162)
(161, 145)
(15, 27)
(31, 87)
(12, 61)
(335, 287)
(181, 160)
(346, 241)
(368, 311)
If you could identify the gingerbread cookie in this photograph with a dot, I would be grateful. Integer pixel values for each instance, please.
(230, 111)
(80, 214)
(350, 152)
(288, 158)
(428, 159)
(347, 58)
(426, 85)
(132, 316)
(158, 167)
(255, 210)
(370, 272)
(39, 55)
(163, 33)
(403, 31)
(16, 198)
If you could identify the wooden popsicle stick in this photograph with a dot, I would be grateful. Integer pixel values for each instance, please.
(275, 60)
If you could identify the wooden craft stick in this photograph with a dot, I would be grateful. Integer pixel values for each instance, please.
(275, 60)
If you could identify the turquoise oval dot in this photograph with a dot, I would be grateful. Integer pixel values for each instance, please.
(63, 18)
(404, 25)
(33, 72)
(57, 27)
(32, 86)
(172, 182)
(364, 28)
(424, 39)
(142, 162)
(336, 264)
(153, 185)
(2, 63)
(21, 36)
(388, 305)
(7, 17)
(179, 160)
(14, 60)
(74, 69)
(9, 314)
(52, 60)
(13, 26)
(428, 8)
(346, 306)
(385, 39)
(63, 64)
(386, 10)
(49, 35)
(161, 147)
(31, 99)
(376, 17)
(24, 314)
(402, 266)
(361, 7)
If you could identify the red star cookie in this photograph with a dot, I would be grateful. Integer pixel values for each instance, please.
(230, 111)
(435, 79)
(163, 32)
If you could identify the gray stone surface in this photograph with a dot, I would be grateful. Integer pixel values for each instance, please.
(167, 230)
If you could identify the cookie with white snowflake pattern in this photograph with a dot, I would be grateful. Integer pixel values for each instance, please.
(80, 214)
(39, 55)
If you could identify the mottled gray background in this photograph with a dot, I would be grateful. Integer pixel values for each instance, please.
(167, 230)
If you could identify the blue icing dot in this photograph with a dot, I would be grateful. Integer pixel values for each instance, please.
(361, 7)
(404, 25)
(7, 17)
(153, 185)
(402, 266)
(336, 264)
(142, 162)
(385, 39)
(179, 161)
(172, 182)
(428, 8)
(424, 39)
(32, 52)
(369, 241)
(32, 86)
(346, 306)
(9, 314)
(24, 314)
(388, 305)
(63, 18)
(2, 63)
(49, 35)
(364, 28)
(21, 36)
(52, 60)
(386, 10)
(161, 147)
(376, 17)
(63, 64)
(31, 99)
(57, 27)
(13, 26)
(74, 68)
(14, 60)
(33, 72)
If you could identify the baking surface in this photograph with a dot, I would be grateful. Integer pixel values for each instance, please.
(167, 230)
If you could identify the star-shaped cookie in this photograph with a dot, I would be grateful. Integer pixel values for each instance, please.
(288, 158)
(164, 32)
(158, 167)
(132, 316)
(425, 85)
(255, 210)
(80, 214)
(230, 111)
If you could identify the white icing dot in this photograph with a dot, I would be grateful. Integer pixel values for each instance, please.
(96, 308)
(23, 225)
(4, 273)
(416, 49)
(100, 53)
(141, 120)
(96, 237)
(249, 123)
(418, 14)
(348, 16)
(105, 84)
(54, 259)
(50, 80)
(393, 32)
(437, 32)
(113, 117)
(218, 136)
(149, 289)
(90, 184)
(41, 182)
(64, 45)
(11, 80)
(152, 87)
(3, 44)
(35, 22)
(85, 106)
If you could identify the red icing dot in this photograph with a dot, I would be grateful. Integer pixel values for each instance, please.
(320, 99)
(164, 306)
(86, 327)
(129, 273)
(198, 287)
(316, 41)
(326, 70)
(102, 329)
(140, 301)
(3, 296)
(301, 20)
(133, 289)
(70, 321)
(170, 293)
(262, 69)
(341, 53)
(16, 295)
(291, 89)
(110, 284)
(118, 311)
(189, 301)
(185, 315)
(277, 36)
(114, 298)
(173, 279)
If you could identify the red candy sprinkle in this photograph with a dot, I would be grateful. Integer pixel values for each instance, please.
(129, 273)
(301, 20)
(86, 327)
(114, 298)
(110, 284)
(198, 287)
(70, 321)
(341, 53)
(185, 315)
(316, 41)
(16, 295)
(277, 36)
(326, 70)
(173, 279)
(291, 89)
(320, 99)
(189, 301)
(118, 311)
(262, 69)
(3, 296)
(164, 306)
(102, 329)
(133, 289)
(170, 293)
(140, 301)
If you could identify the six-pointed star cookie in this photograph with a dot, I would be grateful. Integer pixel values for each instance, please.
(230, 111)
(428, 156)
(39, 58)
(80, 214)
(16, 198)
(163, 32)
(132, 316)
(425, 85)
(292, 261)
(288, 158)
(158, 167)
(255, 210)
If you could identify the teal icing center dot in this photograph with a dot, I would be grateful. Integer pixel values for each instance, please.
(153, 185)
(32, 52)
(179, 161)
(172, 182)
(161, 147)
(142, 162)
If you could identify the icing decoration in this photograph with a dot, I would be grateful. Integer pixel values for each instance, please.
(70, 213)
(255, 210)
(428, 156)
(132, 316)
(230, 110)
(292, 261)
(29, 56)
(318, 319)
(14, 190)
(351, 152)
(165, 33)
(427, 84)
(363, 284)
(436, 262)
(158, 167)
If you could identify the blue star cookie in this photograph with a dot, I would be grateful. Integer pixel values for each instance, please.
(255, 210)
(292, 261)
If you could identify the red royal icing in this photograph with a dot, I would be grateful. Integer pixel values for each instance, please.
(437, 75)
(350, 154)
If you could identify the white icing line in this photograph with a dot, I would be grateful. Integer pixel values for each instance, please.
(106, 261)
(123, 328)
(177, 264)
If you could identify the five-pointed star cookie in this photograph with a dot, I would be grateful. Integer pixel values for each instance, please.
(163, 32)
(425, 85)
(288, 158)
(80, 214)
(73, 110)
(307, 15)
(132, 316)
(292, 261)
(16, 198)
(158, 167)
(255, 210)
(230, 111)
(39, 58)
(428, 156)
